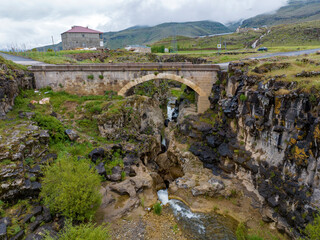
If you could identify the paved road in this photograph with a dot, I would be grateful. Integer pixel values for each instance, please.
(289, 54)
(22, 61)
(224, 66)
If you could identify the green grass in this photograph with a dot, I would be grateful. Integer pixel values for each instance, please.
(157, 208)
(11, 65)
(296, 66)
(299, 36)
(59, 57)
(234, 41)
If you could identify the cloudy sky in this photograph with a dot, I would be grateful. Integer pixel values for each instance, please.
(31, 23)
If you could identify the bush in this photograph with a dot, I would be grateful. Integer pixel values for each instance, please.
(157, 49)
(55, 127)
(241, 231)
(313, 229)
(82, 232)
(71, 188)
(243, 97)
(157, 208)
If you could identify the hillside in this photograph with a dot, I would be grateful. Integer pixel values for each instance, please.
(147, 35)
(233, 41)
(306, 34)
(296, 11)
(297, 34)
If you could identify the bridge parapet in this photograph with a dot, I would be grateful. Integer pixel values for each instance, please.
(127, 67)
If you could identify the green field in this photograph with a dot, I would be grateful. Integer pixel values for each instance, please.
(233, 41)
(281, 38)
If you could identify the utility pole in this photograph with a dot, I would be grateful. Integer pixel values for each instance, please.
(174, 41)
(54, 49)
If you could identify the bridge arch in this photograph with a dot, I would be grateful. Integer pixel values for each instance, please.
(168, 76)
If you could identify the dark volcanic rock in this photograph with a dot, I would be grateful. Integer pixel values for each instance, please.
(101, 170)
(96, 154)
(3, 231)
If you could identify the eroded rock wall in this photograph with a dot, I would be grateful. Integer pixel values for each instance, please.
(11, 81)
(267, 134)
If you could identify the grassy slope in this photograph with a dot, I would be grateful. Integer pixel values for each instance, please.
(146, 35)
(297, 65)
(299, 34)
(295, 11)
(234, 41)
(11, 65)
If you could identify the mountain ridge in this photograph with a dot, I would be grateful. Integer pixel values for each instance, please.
(294, 12)
(148, 35)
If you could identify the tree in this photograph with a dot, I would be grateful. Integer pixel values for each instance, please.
(71, 188)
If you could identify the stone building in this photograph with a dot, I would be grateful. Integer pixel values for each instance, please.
(81, 37)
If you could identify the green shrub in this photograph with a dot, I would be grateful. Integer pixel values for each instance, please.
(71, 188)
(101, 77)
(86, 231)
(243, 97)
(313, 99)
(157, 49)
(241, 231)
(313, 229)
(90, 77)
(2, 211)
(254, 237)
(55, 127)
(123, 175)
(157, 208)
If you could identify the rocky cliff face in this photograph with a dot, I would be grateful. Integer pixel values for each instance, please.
(22, 148)
(267, 134)
(130, 117)
(11, 80)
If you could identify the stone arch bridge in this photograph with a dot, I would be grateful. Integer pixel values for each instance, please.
(95, 79)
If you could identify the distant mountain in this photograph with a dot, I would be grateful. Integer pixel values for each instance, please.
(295, 11)
(234, 25)
(56, 47)
(148, 35)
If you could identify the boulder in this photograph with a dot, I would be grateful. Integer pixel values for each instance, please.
(3, 231)
(101, 169)
(97, 153)
(72, 135)
(210, 188)
(116, 174)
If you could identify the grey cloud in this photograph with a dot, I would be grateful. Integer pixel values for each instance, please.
(35, 21)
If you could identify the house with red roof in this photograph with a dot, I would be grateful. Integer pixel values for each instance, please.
(81, 37)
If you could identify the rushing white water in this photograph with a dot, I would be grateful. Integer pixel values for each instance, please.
(198, 225)
(181, 211)
(170, 108)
